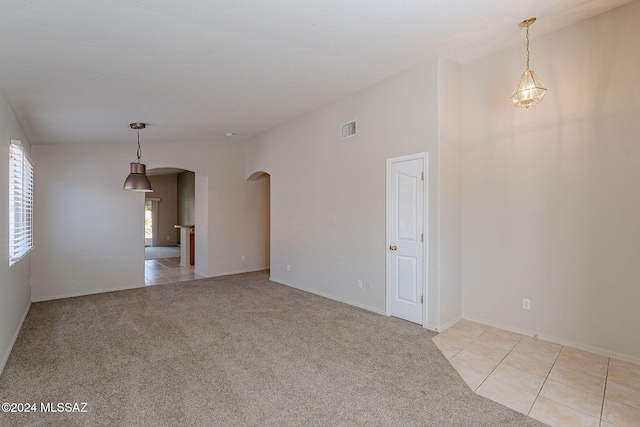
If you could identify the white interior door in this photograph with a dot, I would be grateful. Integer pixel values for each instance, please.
(406, 237)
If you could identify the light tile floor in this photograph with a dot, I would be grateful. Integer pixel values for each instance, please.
(167, 270)
(555, 384)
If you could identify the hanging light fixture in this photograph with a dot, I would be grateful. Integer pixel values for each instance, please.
(137, 179)
(530, 91)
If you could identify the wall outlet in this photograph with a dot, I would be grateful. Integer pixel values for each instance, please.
(360, 284)
(168, 238)
(526, 304)
(244, 258)
(367, 285)
(288, 267)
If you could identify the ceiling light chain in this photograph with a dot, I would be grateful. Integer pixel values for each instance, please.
(528, 24)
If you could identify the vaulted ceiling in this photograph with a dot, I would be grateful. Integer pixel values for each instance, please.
(79, 71)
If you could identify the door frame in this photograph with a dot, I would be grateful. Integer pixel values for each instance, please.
(425, 270)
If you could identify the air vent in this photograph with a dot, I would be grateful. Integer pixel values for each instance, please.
(347, 130)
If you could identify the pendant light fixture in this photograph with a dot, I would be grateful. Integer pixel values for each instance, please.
(137, 179)
(530, 91)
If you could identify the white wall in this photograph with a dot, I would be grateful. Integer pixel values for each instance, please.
(15, 294)
(90, 231)
(328, 195)
(550, 202)
(201, 215)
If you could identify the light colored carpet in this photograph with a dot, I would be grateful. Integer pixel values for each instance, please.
(158, 252)
(234, 351)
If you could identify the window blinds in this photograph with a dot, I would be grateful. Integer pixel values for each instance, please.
(20, 202)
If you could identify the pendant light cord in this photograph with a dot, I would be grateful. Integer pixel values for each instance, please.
(139, 152)
(527, 46)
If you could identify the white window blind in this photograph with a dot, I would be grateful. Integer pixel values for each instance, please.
(20, 202)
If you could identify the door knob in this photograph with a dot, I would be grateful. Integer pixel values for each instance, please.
(393, 248)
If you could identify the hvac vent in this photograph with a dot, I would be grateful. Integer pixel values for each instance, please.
(347, 130)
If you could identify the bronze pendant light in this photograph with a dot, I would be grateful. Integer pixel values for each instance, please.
(137, 179)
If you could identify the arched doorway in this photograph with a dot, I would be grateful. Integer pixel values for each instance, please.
(263, 238)
(170, 210)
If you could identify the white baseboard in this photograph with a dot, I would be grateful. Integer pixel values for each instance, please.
(251, 270)
(13, 340)
(80, 294)
(200, 273)
(431, 327)
(124, 288)
(332, 297)
(449, 324)
(561, 341)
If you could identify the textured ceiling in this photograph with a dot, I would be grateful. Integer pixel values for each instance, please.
(79, 71)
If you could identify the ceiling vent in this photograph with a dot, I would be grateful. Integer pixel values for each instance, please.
(347, 130)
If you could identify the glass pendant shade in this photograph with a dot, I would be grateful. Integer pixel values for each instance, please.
(137, 179)
(530, 90)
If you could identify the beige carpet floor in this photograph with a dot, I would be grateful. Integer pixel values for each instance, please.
(234, 351)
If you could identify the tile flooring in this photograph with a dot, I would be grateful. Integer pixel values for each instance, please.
(555, 384)
(167, 270)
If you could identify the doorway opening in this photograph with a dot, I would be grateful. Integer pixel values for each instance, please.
(170, 210)
(261, 229)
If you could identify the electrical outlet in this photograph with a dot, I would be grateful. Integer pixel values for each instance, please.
(244, 258)
(367, 285)
(288, 267)
(526, 304)
(360, 284)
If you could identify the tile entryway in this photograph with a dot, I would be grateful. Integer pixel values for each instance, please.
(167, 270)
(555, 384)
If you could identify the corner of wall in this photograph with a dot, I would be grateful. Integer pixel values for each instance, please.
(4, 360)
(449, 192)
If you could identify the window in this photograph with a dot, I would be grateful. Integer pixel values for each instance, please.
(20, 202)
